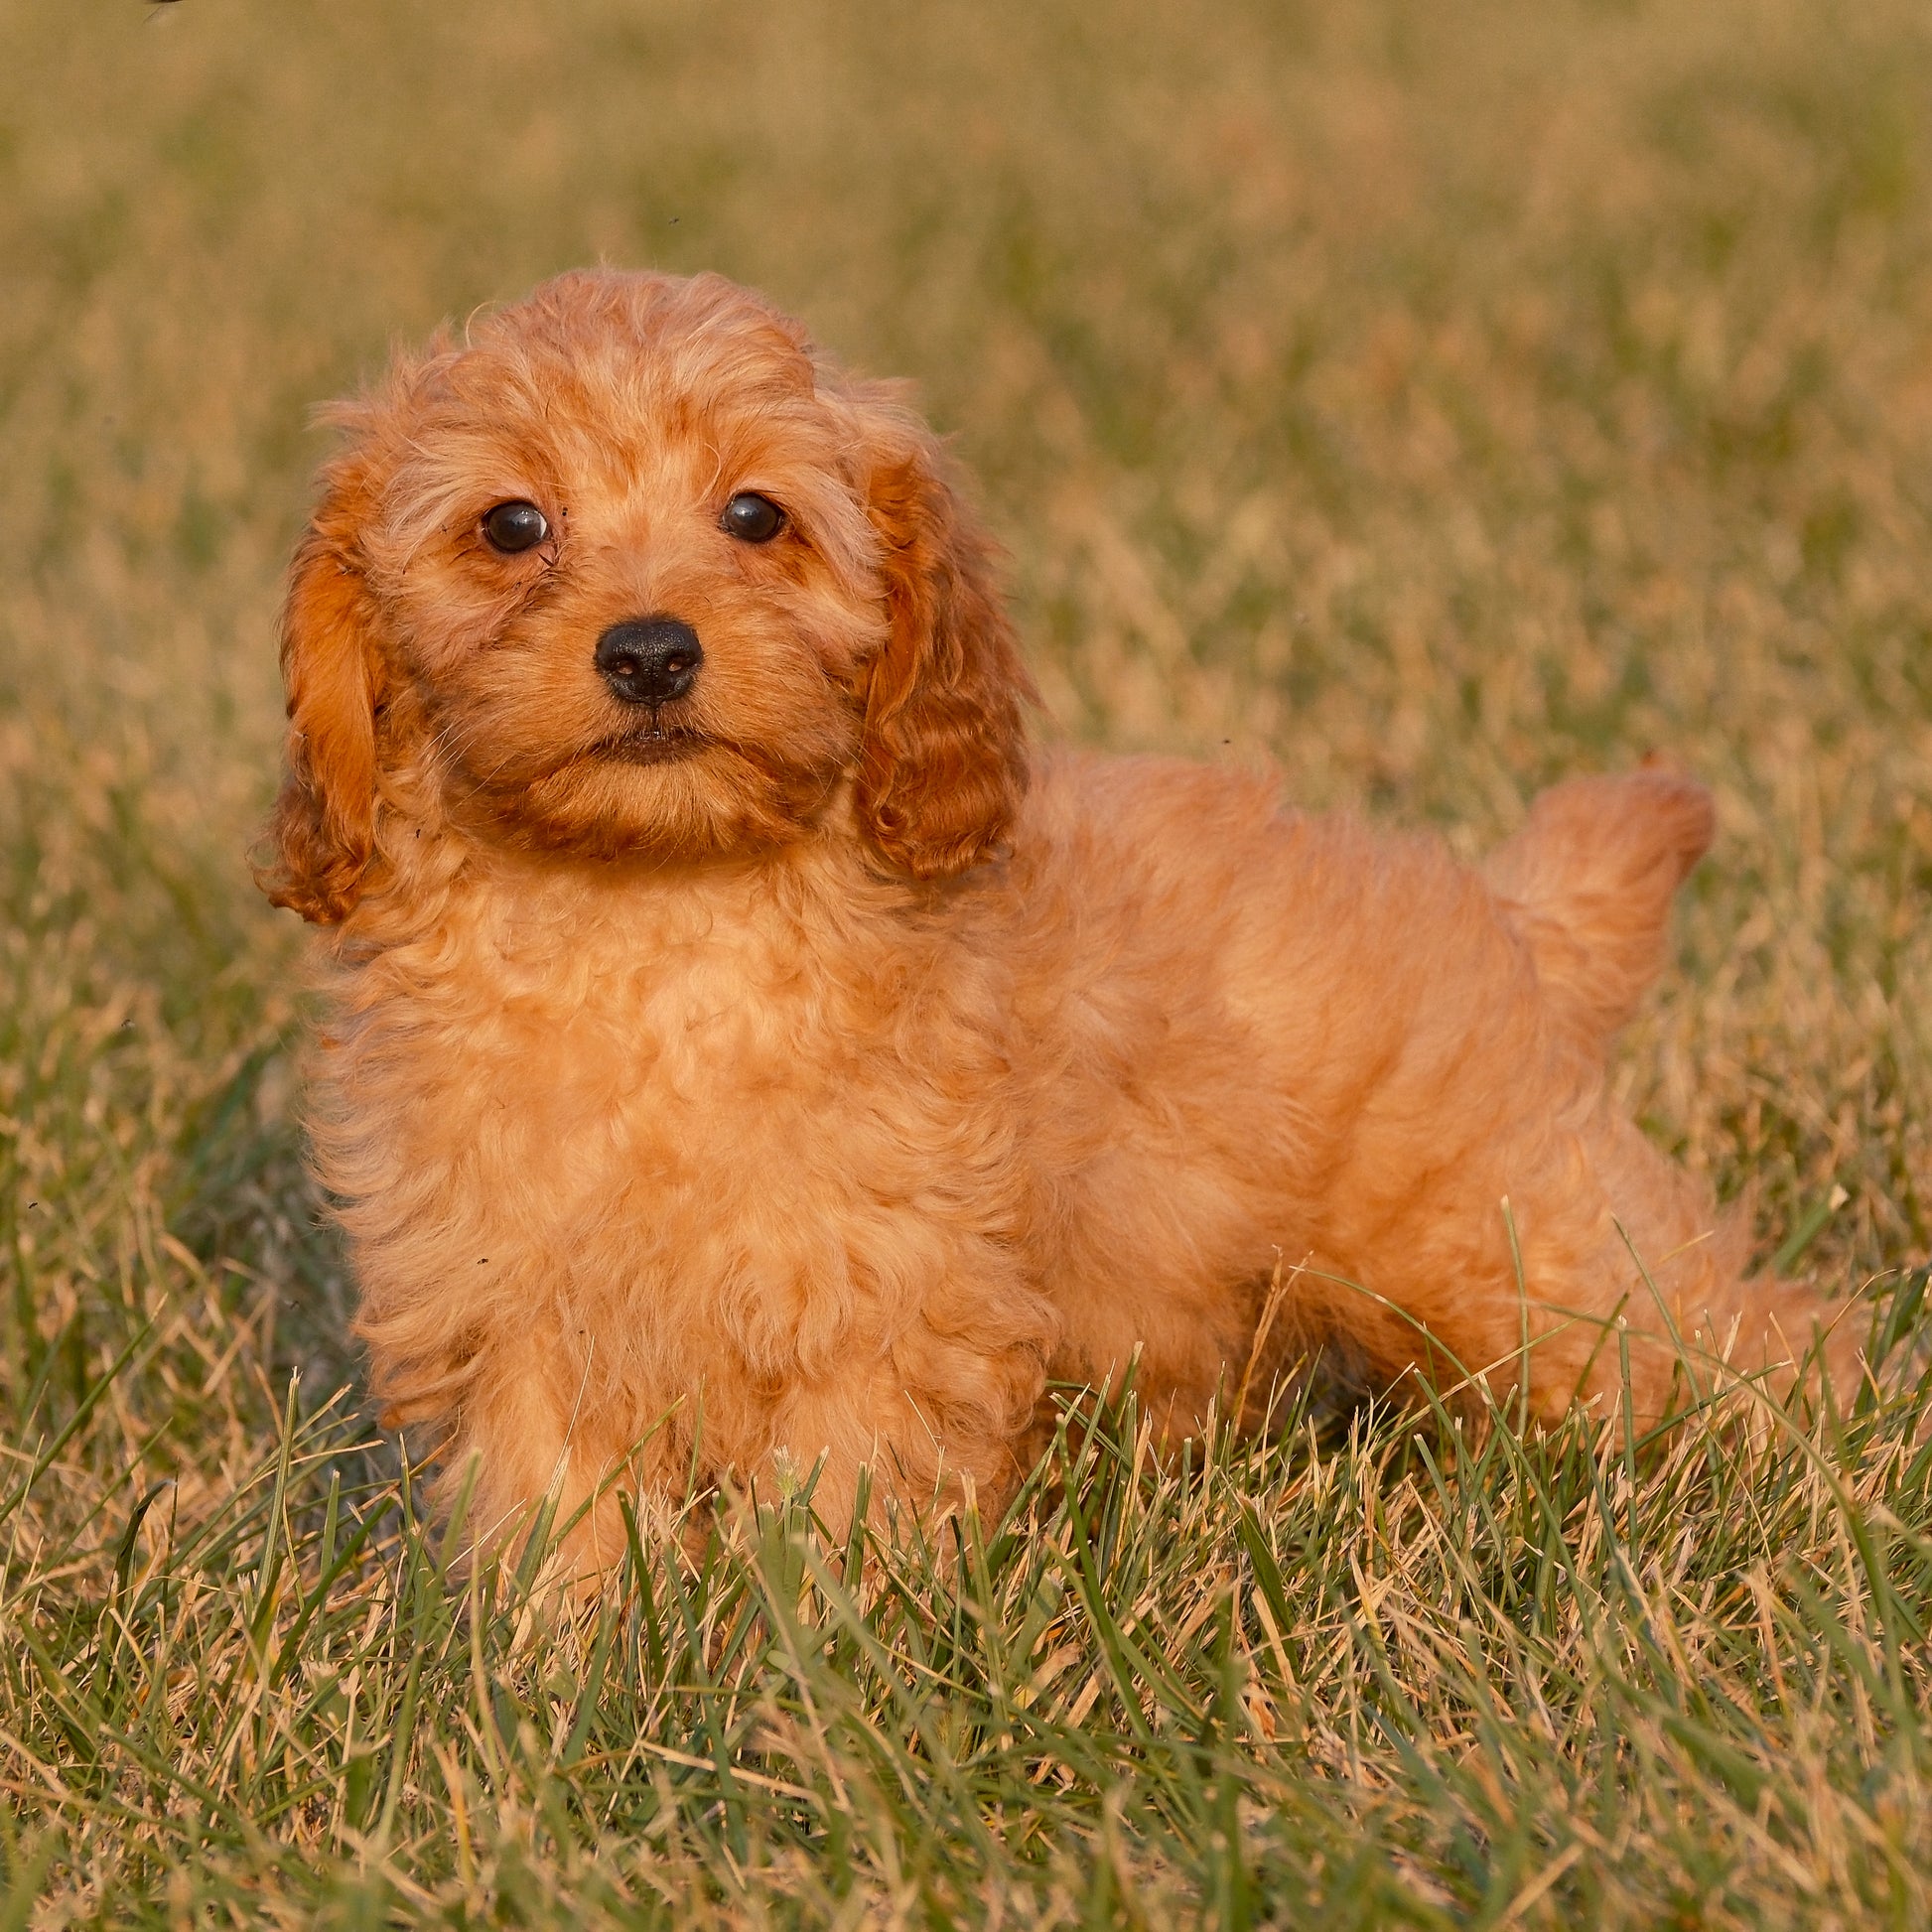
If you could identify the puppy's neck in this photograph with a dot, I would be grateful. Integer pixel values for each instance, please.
(431, 876)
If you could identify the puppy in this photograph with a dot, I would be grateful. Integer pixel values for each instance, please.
(747, 1056)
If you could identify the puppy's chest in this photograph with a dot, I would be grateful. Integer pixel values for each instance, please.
(712, 1057)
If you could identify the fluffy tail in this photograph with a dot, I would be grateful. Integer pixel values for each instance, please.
(1588, 884)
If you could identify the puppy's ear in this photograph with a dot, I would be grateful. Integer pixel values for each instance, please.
(323, 829)
(943, 767)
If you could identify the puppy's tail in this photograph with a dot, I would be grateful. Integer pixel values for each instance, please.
(1588, 882)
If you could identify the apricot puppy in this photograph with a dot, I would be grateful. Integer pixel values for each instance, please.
(745, 1052)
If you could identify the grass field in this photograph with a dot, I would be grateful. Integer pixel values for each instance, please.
(1432, 398)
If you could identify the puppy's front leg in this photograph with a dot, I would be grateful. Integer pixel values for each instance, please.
(937, 1414)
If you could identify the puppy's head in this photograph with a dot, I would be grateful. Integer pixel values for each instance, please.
(633, 569)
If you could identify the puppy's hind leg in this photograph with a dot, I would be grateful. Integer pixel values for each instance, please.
(1589, 882)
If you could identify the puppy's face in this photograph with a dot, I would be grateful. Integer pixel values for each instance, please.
(633, 571)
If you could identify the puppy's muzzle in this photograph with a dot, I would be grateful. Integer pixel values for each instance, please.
(650, 660)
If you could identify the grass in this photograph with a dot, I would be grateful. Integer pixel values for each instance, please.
(1433, 399)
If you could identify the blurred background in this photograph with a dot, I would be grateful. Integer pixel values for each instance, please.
(1431, 396)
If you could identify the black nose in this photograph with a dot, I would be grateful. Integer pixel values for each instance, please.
(650, 660)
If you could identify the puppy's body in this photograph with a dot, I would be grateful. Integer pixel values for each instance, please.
(846, 1169)
(807, 1083)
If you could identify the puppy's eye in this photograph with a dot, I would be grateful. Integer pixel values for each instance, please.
(514, 526)
(753, 518)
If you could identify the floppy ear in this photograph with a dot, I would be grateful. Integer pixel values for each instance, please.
(943, 765)
(323, 829)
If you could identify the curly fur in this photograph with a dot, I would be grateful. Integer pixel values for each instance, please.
(811, 1085)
